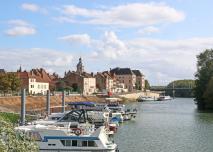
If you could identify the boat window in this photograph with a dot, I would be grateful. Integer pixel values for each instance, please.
(91, 144)
(63, 142)
(84, 143)
(74, 143)
(68, 142)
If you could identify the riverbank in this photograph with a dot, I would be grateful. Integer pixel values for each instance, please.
(34, 103)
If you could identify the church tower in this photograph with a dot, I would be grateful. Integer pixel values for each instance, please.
(80, 67)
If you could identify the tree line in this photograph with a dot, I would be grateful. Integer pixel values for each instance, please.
(204, 80)
(181, 88)
(9, 82)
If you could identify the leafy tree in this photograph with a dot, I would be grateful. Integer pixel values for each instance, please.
(203, 76)
(11, 141)
(14, 82)
(182, 88)
(4, 83)
(208, 94)
(147, 85)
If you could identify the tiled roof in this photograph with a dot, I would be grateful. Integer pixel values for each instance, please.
(122, 71)
(137, 72)
(39, 74)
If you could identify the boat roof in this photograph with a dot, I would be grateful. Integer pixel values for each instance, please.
(82, 103)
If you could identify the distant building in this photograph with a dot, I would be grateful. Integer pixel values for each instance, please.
(104, 82)
(140, 80)
(81, 81)
(125, 76)
(2, 71)
(36, 81)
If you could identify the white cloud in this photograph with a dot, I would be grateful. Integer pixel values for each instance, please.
(129, 15)
(148, 30)
(160, 60)
(18, 22)
(53, 60)
(20, 31)
(77, 39)
(30, 7)
(18, 27)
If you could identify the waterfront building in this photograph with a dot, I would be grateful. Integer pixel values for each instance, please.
(140, 80)
(37, 81)
(104, 82)
(125, 76)
(2, 71)
(80, 80)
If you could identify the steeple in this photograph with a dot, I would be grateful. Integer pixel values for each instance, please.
(20, 69)
(80, 67)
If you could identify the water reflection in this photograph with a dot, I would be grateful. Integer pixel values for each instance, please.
(171, 126)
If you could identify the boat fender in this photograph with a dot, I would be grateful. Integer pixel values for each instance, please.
(77, 131)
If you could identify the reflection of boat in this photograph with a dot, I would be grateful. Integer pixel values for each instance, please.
(83, 137)
(141, 99)
(164, 98)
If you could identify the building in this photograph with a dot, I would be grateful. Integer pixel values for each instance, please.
(35, 82)
(125, 76)
(2, 71)
(104, 82)
(140, 80)
(80, 81)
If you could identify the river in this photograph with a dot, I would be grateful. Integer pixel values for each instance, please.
(167, 126)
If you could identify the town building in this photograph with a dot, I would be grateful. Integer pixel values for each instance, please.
(2, 71)
(80, 80)
(140, 80)
(35, 82)
(125, 76)
(104, 82)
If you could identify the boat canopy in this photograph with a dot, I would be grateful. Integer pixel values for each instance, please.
(81, 103)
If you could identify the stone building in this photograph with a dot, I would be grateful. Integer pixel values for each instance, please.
(125, 76)
(140, 80)
(104, 82)
(81, 81)
(35, 82)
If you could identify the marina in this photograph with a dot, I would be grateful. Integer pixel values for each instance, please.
(87, 126)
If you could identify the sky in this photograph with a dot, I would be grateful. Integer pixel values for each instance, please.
(160, 38)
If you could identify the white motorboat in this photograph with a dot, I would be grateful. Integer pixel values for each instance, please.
(82, 138)
(164, 98)
(141, 99)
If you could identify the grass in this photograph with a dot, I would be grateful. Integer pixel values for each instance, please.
(13, 117)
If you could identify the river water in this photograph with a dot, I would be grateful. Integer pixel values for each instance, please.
(167, 126)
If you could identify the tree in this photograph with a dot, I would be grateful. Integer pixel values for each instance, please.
(182, 88)
(11, 141)
(9, 82)
(14, 82)
(147, 85)
(208, 94)
(203, 77)
(4, 83)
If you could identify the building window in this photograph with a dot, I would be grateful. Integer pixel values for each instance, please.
(38, 86)
(31, 86)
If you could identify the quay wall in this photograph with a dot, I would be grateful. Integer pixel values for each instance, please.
(13, 104)
(134, 96)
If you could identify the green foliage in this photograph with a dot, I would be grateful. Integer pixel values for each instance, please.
(203, 77)
(208, 94)
(9, 82)
(182, 88)
(9, 117)
(147, 85)
(11, 141)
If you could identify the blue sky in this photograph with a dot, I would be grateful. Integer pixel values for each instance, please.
(161, 38)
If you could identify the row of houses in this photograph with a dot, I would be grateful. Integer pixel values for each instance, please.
(117, 80)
